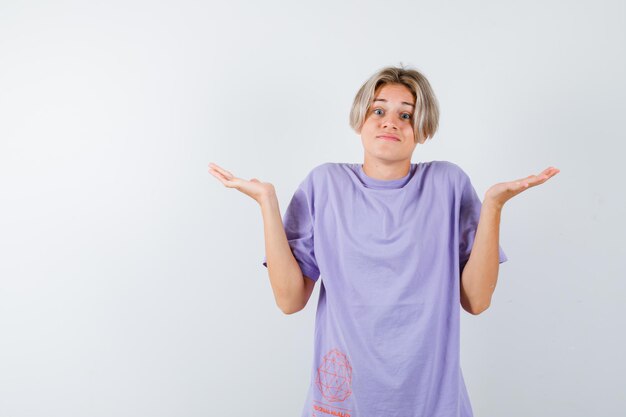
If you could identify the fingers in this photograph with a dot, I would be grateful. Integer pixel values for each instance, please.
(221, 170)
(225, 177)
(550, 172)
(547, 174)
(533, 180)
(221, 173)
(219, 176)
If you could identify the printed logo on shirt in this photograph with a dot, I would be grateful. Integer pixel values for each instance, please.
(334, 376)
(324, 410)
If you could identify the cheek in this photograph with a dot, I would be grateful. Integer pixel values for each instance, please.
(368, 127)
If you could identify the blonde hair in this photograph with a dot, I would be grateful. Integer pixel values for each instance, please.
(425, 118)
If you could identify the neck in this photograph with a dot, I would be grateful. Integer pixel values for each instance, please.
(386, 171)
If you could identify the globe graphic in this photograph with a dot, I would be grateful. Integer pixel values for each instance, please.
(334, 376)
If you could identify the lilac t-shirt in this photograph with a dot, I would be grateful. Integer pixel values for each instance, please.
(389, 254)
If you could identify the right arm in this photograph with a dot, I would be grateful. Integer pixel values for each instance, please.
(292, 289)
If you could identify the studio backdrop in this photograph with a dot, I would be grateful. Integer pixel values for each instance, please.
(131, 281)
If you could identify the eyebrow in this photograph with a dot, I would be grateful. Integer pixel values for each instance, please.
(404, 102)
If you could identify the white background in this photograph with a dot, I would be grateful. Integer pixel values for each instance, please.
(131, 281)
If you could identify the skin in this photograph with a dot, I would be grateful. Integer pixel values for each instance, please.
(291, 294)
(387, 160)
(253, 188)
(384, 159)
(480, 275)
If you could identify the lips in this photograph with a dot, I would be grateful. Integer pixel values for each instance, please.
(388, 137)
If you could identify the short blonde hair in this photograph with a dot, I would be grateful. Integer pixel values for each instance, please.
(426, 113)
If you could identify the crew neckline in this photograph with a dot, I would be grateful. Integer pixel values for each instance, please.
(378, 184)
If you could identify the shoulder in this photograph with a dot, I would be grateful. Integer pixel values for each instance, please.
(450, 175)
(327, 170)
(329, 166)
(451, 170)
(317, 172)
(323, 168)
(318, 175)
(448, 166)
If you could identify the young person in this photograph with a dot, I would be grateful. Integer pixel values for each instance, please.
(399, 248)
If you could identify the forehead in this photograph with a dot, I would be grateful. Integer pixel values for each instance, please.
(391, 93)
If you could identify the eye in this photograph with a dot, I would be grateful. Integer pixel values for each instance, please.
(379, 111)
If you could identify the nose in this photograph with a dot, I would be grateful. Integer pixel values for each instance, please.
(388, 123)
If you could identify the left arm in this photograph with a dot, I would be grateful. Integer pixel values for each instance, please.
(479, 277)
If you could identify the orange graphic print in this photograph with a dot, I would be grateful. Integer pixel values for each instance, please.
(334, 376)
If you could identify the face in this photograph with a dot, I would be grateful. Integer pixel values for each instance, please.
(387, 133)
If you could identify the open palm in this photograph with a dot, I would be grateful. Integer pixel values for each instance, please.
(500, 193)
(253, 188)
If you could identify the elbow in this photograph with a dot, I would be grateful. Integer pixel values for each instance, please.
(289, 302)
(474, 308)
(289, 310)
(480, 309)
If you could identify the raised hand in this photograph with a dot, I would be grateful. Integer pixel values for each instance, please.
(500, 193)
(253, 188)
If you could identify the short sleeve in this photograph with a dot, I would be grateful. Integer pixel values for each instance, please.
(298, 225)
(468, 222)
